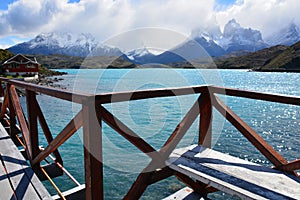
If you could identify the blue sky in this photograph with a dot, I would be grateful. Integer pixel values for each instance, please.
(225, 2)
(4, 4)
(104, 18)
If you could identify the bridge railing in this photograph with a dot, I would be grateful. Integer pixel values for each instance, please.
(92, 114)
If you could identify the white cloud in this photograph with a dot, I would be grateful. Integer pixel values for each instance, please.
(265, 15)
(106, 18)
(103, 18)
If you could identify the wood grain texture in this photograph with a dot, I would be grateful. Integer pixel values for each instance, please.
(233, 175)
(24, 182)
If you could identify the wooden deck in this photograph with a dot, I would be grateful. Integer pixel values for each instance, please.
(232, 175)
(17, 179)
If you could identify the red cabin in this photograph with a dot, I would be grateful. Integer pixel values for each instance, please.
(20, 65)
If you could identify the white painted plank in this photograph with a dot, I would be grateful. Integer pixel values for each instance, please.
(24, 181)
(74, 193)
(185, 193)
(5, 189)
(233, 175)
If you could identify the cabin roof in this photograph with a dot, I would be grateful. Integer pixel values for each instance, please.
(28, 59)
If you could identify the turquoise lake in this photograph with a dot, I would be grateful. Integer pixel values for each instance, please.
(155, 119)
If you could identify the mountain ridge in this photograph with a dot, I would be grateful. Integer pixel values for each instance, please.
(235, 47)
(279, 58)
(64, 43)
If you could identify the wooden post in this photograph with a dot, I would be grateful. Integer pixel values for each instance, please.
(12, 114)
(32, 122)
(205, 126)
(1, 94)
(92, 138)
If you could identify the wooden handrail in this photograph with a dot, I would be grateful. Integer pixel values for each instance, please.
(75, 97)
(279, 98)
(93, 113)
(114, 97)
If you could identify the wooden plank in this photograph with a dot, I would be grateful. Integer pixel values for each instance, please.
(24, 181)
(186, 194)
(73, 194)
(268, 151)
(200, 188)
(6, 189)
(233, 175)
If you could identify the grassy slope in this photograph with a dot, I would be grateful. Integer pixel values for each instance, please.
(4, 55)
(287, 60)
(74, 62)
(250, 60)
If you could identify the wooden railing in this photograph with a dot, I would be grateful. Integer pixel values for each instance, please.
(92, 114)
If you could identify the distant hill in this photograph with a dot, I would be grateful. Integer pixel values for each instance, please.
(76, 62)
(250, 60)
(4, 55)
(279, 58)
(288, 60)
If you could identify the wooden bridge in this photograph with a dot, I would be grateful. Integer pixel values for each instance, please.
(198, 166)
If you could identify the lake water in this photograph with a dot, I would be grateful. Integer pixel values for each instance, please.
(155, 119)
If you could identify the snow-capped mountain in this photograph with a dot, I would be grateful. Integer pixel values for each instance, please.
(64, 43)
(140, 56)
(237, 38)
(216, 43)
(233, 38)
(286, 36)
